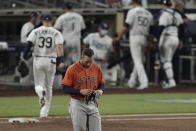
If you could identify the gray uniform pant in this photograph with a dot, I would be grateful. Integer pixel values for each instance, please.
(44, 70)
(84, 116)
(167, 47)
(137, 48)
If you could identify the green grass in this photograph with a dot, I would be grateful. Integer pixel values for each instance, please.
(108, 104)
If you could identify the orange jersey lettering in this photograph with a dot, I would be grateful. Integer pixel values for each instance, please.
(80, 77)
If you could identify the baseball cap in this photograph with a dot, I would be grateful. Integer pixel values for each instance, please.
(68, 5)
(179, 2)
(104, 25)
(34, 14)
(47, 17)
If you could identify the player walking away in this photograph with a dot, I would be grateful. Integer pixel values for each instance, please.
(25, 31)
(101, 44)
(83, 81)
(71, 24)
(179, 7)
(138, 21)
(169, 28)
(48, 43)
(29, 26)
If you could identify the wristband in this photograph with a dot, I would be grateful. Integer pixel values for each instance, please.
(60, 59)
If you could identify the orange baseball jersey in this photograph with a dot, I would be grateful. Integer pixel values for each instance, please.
(80, 77)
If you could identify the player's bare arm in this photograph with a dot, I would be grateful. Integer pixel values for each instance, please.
(59, 48)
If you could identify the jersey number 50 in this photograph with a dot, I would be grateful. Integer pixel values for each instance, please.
(45, 42)
(142, 21)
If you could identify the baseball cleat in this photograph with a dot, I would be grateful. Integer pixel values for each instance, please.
(131, 84)
(164, 85)
(42, 99)
(141, 87)
(43, 115)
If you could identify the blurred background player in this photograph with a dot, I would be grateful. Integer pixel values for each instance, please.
(101, 44)
(83, 78)
(179, 7)
(169, 28)
(29, 26)
(48, 44)
(25, 31)
(71, 24)
(138, 21)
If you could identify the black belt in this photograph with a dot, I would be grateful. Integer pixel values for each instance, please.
(45, 56)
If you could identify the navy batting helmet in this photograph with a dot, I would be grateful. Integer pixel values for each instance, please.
(166, 2)
(136, 1)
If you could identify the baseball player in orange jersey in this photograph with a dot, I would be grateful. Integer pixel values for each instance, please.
(82, 79)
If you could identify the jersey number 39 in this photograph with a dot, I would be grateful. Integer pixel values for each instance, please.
(45, 42)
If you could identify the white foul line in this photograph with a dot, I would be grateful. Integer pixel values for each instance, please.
(140, 115)
(150, 119)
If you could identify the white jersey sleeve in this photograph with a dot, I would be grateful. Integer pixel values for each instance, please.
(82, 24)
(59, 23)
(32, 37)
(25, 31)
(130, 18)
(86, 40)
(59, 38)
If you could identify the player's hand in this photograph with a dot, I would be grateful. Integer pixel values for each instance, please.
(115, 40)
(60, 66)
(154, 40)
(86, 92)
(98, 93)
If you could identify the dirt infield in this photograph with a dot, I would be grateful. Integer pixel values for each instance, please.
(145, 122)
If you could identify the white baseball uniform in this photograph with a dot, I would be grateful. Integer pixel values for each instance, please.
(44, 40)
(71, 24)
(102, 47)
(25, 31)
(139, 20)
(169, 41)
